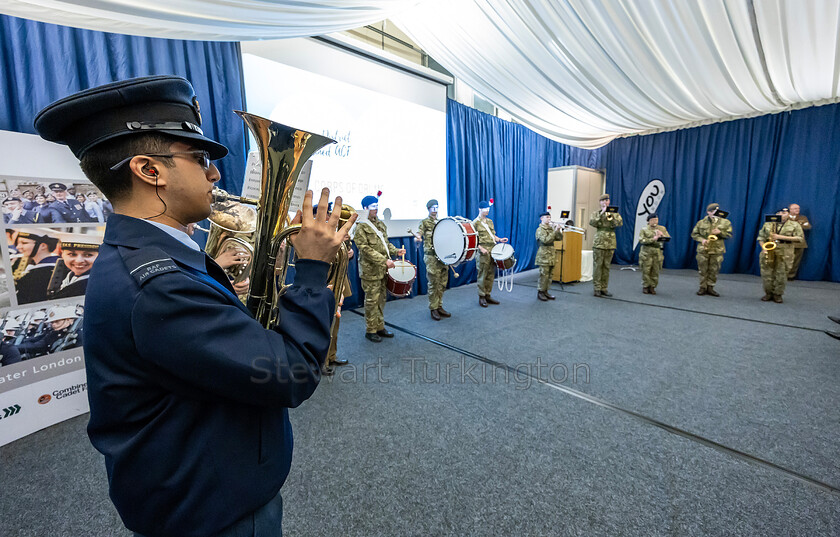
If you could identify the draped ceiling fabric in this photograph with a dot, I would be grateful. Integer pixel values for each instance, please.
(209, 20)
(585, 71)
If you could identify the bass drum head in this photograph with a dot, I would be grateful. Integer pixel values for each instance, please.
(448, 240)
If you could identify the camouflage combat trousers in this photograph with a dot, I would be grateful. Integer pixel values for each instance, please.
(437, 274)
(545, 277)
(601, 269)
(650, 261)
(375, 295)
(774, 270)
(486, 275)
(709, 267)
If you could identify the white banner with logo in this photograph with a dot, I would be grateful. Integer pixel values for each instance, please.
(648, 204)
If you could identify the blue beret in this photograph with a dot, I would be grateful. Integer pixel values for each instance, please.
(162, 104)
(483, 205)
(368, 200)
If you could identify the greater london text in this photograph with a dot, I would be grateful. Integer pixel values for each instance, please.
(43, 368)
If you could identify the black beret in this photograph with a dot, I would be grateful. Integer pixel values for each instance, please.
(546, 213)
(11, 199)
(164, 104)
(651, 216)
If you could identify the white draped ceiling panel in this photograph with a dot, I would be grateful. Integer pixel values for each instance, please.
(209, 20)
(585, 71)
(579, 71)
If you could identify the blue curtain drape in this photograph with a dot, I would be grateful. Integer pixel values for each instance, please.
(752, 167)
(41, 63)
(491, 158)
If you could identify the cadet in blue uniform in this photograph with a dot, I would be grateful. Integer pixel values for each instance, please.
(15, 213)
(189, 394)
(68, 207)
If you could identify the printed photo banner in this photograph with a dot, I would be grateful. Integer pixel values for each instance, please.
(54, 220)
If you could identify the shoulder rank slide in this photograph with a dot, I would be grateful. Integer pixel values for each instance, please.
(145, 263)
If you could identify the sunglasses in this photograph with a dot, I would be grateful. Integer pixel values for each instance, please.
(202, 157)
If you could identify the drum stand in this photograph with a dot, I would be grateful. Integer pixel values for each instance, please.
(504, 277)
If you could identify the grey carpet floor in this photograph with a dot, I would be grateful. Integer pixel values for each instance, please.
(417, 438)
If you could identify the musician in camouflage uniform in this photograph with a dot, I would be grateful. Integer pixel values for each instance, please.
(487, 239)
(437, 274)
(710, 252)
(776, 264)
(371, 238)
(650, 254)
(546, 234)
(604, 245)
(798, 247)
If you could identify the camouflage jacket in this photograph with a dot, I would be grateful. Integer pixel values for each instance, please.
(646, 237)
(605, 229)
(546, 235)
(372, 253)
(488, 241)
(788, 229)
(427, 228)
(703, 229)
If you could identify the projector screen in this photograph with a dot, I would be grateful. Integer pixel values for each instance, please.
(389, 141)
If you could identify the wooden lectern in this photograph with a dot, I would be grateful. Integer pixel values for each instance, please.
(567, 258)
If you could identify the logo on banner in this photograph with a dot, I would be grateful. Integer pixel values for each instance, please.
(44, 399)
(8, 412)
(648, 204)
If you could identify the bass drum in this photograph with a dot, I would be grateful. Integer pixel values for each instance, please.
(455, 240)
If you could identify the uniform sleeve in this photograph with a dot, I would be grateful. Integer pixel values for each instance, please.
(363, 238)
(211, 346)
(616, 221)
(725, 229)
(392, 250)
(797, 232)
(764, 233)
(695, 233)
(595, 219)
(646, 236)
(545, 236)
(664, 231)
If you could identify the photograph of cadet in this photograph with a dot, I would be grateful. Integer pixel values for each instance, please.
(35, 332)
(29, 201)
(77, 254)
(14, 213)
(50, 264)
(33, 263)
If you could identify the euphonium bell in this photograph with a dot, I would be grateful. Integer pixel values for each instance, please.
(283, 152)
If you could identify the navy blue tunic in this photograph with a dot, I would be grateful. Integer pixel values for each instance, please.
(188, 393)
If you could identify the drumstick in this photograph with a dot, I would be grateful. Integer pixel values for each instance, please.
(453, 271)
(403, 254)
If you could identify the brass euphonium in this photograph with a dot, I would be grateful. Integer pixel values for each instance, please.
(283, 152)
(232, 226)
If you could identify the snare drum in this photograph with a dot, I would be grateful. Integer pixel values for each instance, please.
(455, 240)
(401, 278)
(502, 254)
